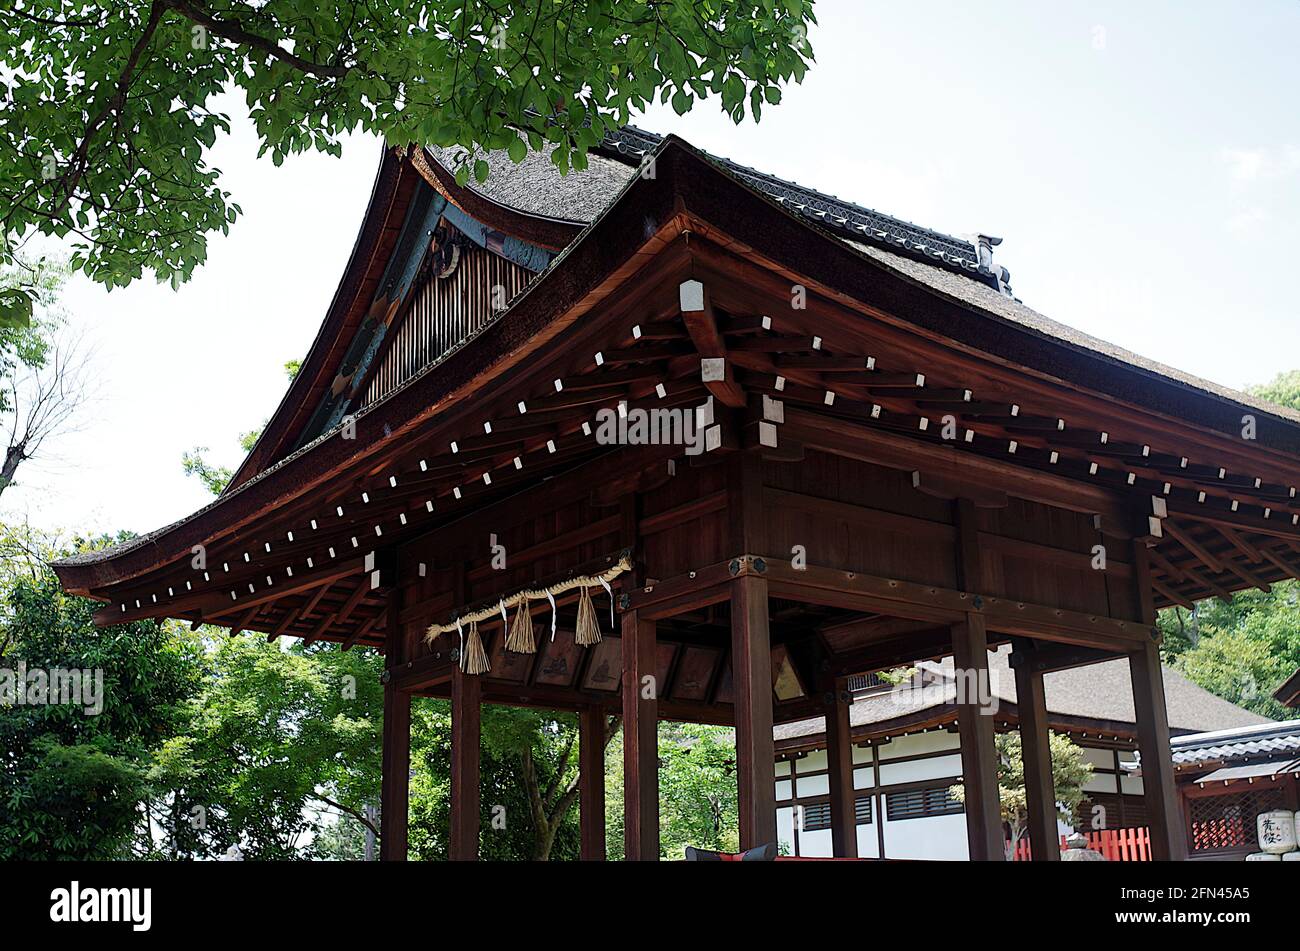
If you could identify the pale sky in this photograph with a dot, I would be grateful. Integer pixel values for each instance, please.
(1140, 161)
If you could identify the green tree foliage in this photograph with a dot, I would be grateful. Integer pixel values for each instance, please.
(1241, 650)
(698, 796)
(278, 739)
(1069, 772)
(1283, 389)
(216, 478)
(24, 341)
(36, 398)
(699, 802)
(107, 119)
(527, 784)
(75, 786)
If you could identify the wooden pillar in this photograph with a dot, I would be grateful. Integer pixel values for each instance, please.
(839, 767)
(396, 767)
(395, 761)
(466, 713)
(640, 740)
(591, 784)
(1168, 835)
(751, 666)
(1036, 755)
(979, 755)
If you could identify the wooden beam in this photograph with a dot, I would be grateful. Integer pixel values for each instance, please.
(858, 592)
(702, 325)
(640, 739)
(218, 593)
(362, 630)
(1183, 538)
(321, 627)
(1047, 658)
(839, 765)
(979, 755)
(591, 783)
(316, 598)
(970, 565)
(1036, 757)
(466, 713)
(751, 665)
(818, 431)
(245, 619)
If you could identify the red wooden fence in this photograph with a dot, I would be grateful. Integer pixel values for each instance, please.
(1117, 845)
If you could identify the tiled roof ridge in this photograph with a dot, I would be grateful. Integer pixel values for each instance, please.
(1193, 741)
(855, 220)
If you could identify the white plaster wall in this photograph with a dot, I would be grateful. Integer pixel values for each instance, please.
(1099, 757)
(1100, 783)
(936, 837)
(811, 763)
(816, 844)
(806, 786)
(931, 742)
(785, 830)
(1132, 785)
(935, 767)
(868, 842)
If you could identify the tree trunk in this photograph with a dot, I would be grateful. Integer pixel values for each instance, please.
(15, 455)
(549, 808)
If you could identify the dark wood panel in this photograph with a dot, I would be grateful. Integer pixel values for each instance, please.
(441, 312)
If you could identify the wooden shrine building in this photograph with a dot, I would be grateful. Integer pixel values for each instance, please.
(795, 439)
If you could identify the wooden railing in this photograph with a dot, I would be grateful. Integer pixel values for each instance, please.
(1117, 845)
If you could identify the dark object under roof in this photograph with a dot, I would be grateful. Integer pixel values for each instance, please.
(1289, 693)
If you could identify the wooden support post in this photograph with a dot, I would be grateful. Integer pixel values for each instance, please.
(640, 740)
(466, 713)
(979, 755)
(395, 761)
(395, 782)
(839, 766)
(1036, 756)
(1168, 835)
(591, 784)
(751, 665)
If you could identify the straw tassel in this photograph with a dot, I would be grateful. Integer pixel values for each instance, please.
(521, 639)
(588, 631)
(474, 660)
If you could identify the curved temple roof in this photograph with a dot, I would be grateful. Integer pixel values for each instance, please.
(930, 285)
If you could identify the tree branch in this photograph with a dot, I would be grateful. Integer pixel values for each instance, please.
(352, 812)
(237, 34)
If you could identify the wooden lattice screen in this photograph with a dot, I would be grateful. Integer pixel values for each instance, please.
(1228, 822)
